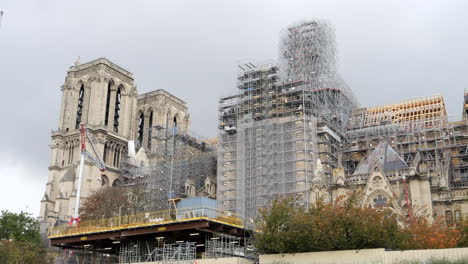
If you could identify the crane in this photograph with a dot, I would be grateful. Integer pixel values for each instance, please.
(408, 204)
(95, 159)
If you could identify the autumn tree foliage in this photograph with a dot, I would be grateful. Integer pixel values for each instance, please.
(344, 225)
(420, 234)
(109, 202)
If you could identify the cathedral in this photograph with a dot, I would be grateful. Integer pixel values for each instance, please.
(409, 156)
(104, 97)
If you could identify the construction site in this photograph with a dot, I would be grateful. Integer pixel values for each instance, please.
(284, 118)
(180, 166)
(291, 128)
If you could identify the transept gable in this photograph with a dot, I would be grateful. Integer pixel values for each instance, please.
(378, 192)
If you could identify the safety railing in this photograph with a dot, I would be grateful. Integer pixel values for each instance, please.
(147, 219)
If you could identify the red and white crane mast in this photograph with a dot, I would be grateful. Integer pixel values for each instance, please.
(96, 160)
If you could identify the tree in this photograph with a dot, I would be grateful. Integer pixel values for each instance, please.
(19, 227)
(344, 225)
(463, 229)
(420, 234)
(20, 240)
(108, 202)
(281, 229)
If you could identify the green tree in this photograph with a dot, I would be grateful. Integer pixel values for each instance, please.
(20, 240)
(282, 229)
(19, 227)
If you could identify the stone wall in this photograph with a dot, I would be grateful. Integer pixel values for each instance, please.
(365, 256)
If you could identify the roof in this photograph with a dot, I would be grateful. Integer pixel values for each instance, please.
(383, 155)
(104, 61)
(163, 92)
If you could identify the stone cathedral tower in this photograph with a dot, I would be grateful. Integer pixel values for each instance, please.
(102, 96)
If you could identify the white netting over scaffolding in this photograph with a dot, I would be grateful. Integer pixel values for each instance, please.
(308, 54)
(180, 166)
(282, 120)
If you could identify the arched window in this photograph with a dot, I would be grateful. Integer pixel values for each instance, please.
(118, 98)
(150, 128)
(104, 181)
(79, 112)
(114, 163)
(449, 217)
(457, 217)
(141, 127)
(106, 149)
(116, 183)
(174, 125)
(106, 121)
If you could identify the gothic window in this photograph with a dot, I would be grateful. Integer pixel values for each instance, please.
(457, 216)
(116, 183)
(104, 181)
(449, 217)
(141, 127)
(117, 163)
(79, 112)
(174, 125)
(380, 201)
(106, 121)
(118, 98)
(114, 163)
(150, 128)
(106, 149)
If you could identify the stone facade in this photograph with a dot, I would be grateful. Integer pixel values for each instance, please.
(103, 96)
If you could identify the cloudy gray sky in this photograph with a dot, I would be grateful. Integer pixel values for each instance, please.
(388, 51)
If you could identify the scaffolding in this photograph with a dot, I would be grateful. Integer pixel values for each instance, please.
(146, 251)
(281, 121)
(84, 256)
(180, 165)
(223, 246)
(415, 127)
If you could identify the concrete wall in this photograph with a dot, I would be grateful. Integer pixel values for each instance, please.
(366, 256)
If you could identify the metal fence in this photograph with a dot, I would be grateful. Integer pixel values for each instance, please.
(147, 219)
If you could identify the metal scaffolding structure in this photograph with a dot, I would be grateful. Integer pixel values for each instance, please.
(87, 256)
(147, 251)
(281, 121)
(416, 129)
(223, 246)
(178, 167)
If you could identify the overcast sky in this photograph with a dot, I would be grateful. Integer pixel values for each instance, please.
(388, 51)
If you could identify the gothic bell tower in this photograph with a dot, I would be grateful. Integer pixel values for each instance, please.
(102, 96)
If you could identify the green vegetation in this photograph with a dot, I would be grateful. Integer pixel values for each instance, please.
(20, 241)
